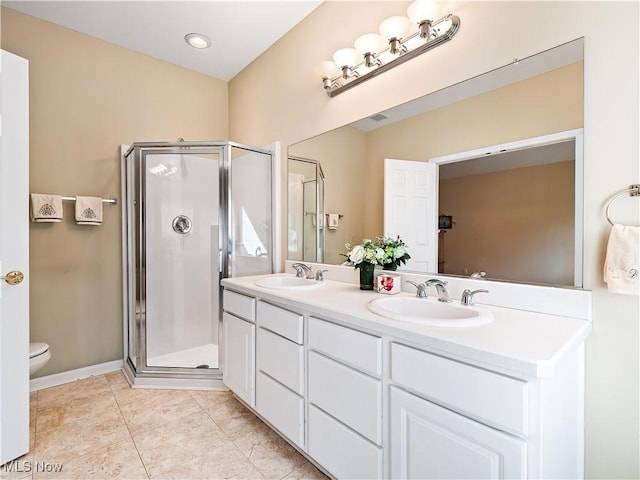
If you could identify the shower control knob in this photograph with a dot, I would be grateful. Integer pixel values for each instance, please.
(13, 278)
(181, 224)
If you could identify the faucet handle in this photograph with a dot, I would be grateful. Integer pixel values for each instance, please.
(421, 291)
(467, 296)
(299, 268)
(319, 276)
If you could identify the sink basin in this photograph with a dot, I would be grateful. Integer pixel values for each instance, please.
(428, 312)
(288, 282)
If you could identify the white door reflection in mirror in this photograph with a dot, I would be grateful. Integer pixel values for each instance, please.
(410, 190)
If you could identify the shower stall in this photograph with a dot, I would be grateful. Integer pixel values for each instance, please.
(193, 213)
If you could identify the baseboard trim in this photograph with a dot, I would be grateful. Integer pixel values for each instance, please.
(72, 375)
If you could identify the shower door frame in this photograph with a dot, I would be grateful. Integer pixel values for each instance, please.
(135, 248)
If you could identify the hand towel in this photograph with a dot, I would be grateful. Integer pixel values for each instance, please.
(334, 218)
(46, 208)
(89, 210)
(622, 263)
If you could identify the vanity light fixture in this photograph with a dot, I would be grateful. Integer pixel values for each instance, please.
(197, 40)
(400, 39)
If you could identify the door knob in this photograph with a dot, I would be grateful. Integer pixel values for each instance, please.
(13, 278)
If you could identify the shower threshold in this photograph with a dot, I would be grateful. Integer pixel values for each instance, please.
(202, 356)
(182, 369)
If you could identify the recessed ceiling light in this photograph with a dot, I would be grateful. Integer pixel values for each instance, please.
(197, 40)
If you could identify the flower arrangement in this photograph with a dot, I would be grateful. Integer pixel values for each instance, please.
(395, 252)
(365, 252)
(388, 252)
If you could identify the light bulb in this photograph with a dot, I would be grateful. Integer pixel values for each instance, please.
(395, 27)
(327, 69)
(197, 40)
(370, 43)
(422, 10)
(346, 57)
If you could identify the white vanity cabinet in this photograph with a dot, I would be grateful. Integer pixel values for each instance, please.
(280, 370)
(431, 442)
(364, 400)
(345, 400)
(239, 344)
(465, 435)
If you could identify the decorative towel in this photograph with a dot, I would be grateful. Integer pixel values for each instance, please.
(46, 208)
(622, 264)
(332, 223)
(89, 210)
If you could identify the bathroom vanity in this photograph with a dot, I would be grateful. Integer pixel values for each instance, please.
(366, 396)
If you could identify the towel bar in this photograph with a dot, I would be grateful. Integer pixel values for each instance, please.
(113, 201)
(633, 191)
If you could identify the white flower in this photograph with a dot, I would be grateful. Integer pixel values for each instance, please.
(399, 252)
(356, 255)
(379, 253)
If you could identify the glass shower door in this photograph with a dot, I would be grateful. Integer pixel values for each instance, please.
(251, 235)
(181, 271)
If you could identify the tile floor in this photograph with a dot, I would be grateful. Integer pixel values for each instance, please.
(101, 428)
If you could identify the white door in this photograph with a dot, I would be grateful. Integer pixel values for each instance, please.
(431, 442)
(410, 202)
(14, 256)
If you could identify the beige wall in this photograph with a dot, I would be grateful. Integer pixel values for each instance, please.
(515, 224)
(88, 97)
(343, 156)
(279, 97)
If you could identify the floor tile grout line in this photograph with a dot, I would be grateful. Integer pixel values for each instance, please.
(135, 445)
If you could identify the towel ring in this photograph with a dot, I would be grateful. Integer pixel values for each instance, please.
(633, 191)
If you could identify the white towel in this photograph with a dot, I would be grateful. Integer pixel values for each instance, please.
(89, 210)
(46, 208)
(334, 218)
(622, 264)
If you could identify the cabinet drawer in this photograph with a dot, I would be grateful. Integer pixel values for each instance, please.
(281, 321)
(240, 305)
(281, 359)
(352, 397)
(356, 348)
(341, 451)
(281, 408)
(492, 398)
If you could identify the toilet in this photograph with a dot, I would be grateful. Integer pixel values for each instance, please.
(39, 355)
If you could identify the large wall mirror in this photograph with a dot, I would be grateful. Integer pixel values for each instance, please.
(524, 201)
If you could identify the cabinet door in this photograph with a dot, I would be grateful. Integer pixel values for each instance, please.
(239, 365)
(430, 442)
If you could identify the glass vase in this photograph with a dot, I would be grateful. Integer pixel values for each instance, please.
(366, 276)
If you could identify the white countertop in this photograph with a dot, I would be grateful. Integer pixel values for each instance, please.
(517, 342)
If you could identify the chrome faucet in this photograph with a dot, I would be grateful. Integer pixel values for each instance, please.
(479, 274)
(303, 271)
(319, 276)
(441, 288)
(467, 296)
(421, 291)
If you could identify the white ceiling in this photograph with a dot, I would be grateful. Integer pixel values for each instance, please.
(239, 30)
